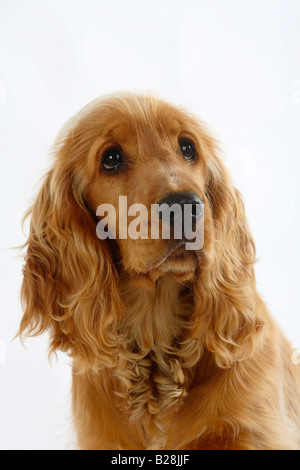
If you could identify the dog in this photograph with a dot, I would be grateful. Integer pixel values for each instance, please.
(171, 348)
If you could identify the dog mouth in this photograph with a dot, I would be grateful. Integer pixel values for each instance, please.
(174, 255)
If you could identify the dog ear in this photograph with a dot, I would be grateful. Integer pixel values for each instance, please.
(229, 312)
(70, 286)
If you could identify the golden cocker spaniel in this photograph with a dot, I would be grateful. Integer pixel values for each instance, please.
(171, 348)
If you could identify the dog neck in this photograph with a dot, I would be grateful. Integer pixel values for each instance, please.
(156, 315)
(157, 351)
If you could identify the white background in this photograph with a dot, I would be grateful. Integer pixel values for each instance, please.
(235, 63)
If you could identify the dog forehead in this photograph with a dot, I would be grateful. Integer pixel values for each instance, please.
(127, 127)
(141, 134)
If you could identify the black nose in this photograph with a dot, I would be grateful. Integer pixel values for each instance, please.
(187, 207)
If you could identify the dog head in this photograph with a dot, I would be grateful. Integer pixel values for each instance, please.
(150, 153)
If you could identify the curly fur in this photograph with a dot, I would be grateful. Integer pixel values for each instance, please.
(168, 352)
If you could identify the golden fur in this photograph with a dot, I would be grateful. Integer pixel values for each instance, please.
(171, 350)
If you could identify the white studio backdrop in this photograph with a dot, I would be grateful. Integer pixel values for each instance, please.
(235, 63)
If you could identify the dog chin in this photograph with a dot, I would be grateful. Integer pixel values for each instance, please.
(176, 262)
(179, 263)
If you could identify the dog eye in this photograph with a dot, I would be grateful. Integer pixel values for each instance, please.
(112, 160)
(187, 150)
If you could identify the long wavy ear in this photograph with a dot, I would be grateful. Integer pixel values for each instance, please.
(70, 286)
(229, 312)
